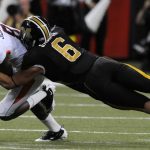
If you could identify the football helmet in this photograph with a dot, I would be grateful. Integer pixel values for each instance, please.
(35, 31)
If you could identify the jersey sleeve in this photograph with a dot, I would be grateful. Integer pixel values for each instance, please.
(2, 53)
(2, 57)
(3, 47)
(32, 60)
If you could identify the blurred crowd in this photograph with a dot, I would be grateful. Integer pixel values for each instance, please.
(16, 11)
(69, 14)
(72, 16)
(142, 46)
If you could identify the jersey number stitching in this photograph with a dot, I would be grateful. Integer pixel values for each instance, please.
(66, 49)
(11, 31)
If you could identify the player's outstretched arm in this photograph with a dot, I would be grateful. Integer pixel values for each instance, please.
(20, 78)
(6, 81)
(25, 76)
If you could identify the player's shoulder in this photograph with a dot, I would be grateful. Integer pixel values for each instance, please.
(7, 32)
(57, 30)
(3, 45)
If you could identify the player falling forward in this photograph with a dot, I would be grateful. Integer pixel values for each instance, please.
(53, 54)
(12, 49)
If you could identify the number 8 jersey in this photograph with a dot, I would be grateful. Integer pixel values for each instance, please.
(61, 59)
(10, 44)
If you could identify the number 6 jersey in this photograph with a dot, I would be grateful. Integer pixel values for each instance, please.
(61, 59)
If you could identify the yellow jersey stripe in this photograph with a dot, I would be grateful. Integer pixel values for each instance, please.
(40, 23)
(139, 71)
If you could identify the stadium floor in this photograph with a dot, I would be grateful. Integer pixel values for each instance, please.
(91, 125)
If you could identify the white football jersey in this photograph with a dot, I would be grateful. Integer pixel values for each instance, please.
(10, 43)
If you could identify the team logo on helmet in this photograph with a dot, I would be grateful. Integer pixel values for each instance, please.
(26, 33)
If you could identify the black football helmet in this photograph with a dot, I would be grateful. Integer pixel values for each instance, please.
(35, 31)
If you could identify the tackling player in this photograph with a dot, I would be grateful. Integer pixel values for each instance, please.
(53, 54)
(11, 50)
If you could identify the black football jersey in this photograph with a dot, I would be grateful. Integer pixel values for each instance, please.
(63, 60)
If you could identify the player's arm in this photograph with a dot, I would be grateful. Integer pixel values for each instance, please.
(6, 70)
(20, 78)
(25, 76)
(31, 67)
(6, 81)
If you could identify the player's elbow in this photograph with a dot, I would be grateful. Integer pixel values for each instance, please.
(26, 76)
(8, 86)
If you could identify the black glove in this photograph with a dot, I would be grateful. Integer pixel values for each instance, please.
(48, 100)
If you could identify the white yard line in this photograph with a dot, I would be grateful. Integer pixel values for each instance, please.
(79, 132)
(87, 117)
(115, 133)
(19, 148)
(62, 94)
(22, 148)
(80, 105)
(143, 140)
(71, 95)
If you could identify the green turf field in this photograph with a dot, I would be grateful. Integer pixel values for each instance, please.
(90, 124)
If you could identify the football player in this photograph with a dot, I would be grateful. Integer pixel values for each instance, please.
(53, 54)
(12, 51)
